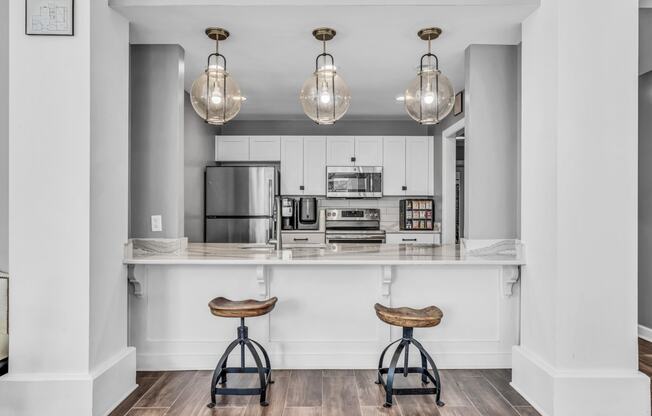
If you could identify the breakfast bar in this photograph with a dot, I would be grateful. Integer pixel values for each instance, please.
(325, 316)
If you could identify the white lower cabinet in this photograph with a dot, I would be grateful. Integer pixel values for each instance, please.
(413, 238)
(303, 238)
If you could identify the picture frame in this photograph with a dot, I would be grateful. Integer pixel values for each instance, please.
(50, 17)
(458, 106)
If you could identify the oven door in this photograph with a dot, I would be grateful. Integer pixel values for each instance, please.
(354, 182)
(355, 236)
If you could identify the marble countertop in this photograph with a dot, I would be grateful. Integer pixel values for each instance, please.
(498, 252)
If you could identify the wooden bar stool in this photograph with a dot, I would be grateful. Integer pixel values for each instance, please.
(409, 319)
(242, 309)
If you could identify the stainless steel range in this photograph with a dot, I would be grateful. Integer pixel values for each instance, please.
(354, 225)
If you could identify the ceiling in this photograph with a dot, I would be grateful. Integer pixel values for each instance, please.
(271, 50)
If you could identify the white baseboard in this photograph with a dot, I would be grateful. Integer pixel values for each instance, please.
(113, 381)
(645, 333)
(570, 392)
(185, 361)
(83, 394)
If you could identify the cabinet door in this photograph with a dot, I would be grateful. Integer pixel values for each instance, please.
(393, 165)
(314, 165)
(231, 148)
(431, 166)
(340, 150)
(264, 148)
(368, 151)
(416, 165)
(291, 165)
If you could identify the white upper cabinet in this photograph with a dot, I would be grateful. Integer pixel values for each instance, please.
(368, 150)
(265, 148)
(291, 165)
(314, 165)
(231, 148)
(394, 166)
(340, 151)
(416, 165)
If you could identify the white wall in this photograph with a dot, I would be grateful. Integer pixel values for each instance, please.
(67, 196)
(645, 200)
(491, 143)
(109, 163)
(4, 136)
(645, 40)
(578, 352)
(156, 175)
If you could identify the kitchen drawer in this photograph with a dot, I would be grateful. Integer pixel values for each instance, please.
(413, 238)
(303, 238)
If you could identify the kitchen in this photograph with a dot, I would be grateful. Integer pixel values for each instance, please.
(385, 196)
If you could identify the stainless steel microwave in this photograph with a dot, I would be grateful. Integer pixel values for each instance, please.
(354, 181)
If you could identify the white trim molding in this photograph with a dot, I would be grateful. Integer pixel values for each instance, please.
(552, 391)
(645, 333)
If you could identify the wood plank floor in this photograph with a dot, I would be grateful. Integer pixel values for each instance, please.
(645, 358)
(324, 393)
(333, 393)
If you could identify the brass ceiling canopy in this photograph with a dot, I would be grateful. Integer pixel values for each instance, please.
(217, 33)
(324, 34)
(429, 33)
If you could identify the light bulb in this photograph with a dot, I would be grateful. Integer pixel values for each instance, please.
(216, 99)
(429, 97)
(325, 97)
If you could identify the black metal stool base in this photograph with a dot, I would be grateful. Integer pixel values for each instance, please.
(221, 370)
(426, 375)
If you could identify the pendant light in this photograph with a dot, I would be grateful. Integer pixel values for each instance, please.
(215, 94)
(325, 97)
(429, 97)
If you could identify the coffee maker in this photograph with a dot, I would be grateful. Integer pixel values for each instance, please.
(299, 214)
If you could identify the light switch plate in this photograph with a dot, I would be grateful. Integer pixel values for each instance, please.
(157, 223)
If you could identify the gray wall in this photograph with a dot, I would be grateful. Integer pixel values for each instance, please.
(156, 139)
(491, 144)
(4, 136)
(343, 127)
(645, 200)
(199, 150)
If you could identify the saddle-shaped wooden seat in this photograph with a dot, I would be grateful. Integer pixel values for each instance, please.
(241, 308)
(408, 317)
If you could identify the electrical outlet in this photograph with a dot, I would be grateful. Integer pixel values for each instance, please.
(157, 223)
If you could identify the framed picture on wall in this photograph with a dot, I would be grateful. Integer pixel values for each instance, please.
(50, 17)
(458, 107)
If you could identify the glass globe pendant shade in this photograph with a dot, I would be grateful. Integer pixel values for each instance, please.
(215, 96)
(429, 97)
(325, 97)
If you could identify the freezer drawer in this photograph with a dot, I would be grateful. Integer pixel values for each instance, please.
(238, 230)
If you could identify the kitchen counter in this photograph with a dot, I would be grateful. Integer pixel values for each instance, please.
(324, 317)
(507, 252)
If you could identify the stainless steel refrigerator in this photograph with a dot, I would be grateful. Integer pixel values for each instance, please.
(239, 203)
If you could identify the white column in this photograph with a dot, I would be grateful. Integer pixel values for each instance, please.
(67, 219)
(578, 352)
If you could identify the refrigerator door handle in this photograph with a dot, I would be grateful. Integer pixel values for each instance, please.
(270, 230)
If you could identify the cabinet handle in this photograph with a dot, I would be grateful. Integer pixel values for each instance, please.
(301, 188)
(409, 239)
(403, 188)
(300, 239)
(353, 159)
